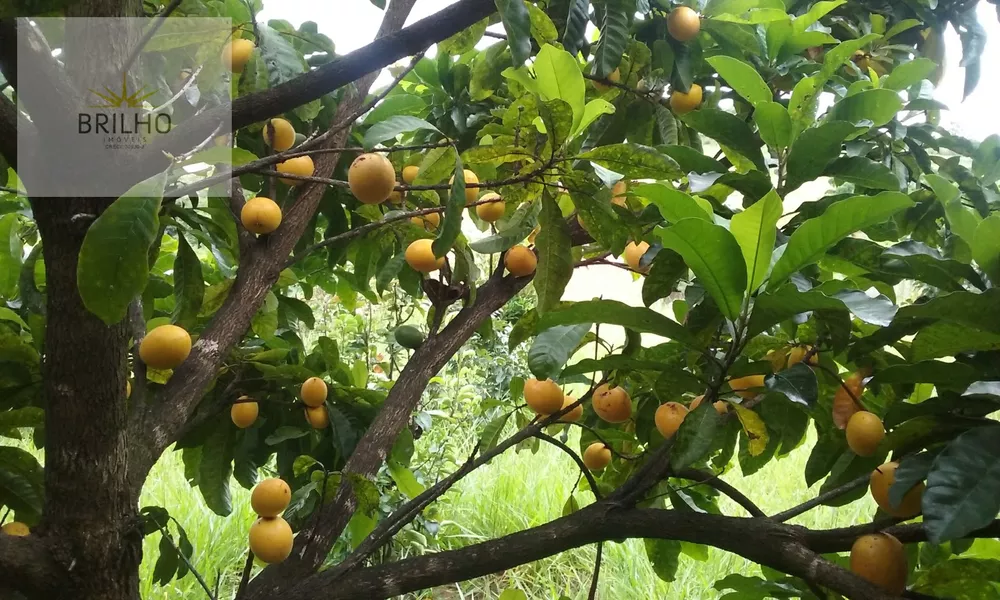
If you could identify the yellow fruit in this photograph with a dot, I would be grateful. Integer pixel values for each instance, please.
(573, 415)
(612, 403)
(491, 211)
(261, 215)
(777, 358)
(669, 417)
(742, 385)
(844, 405)
(165, 347)
(633, 254)
(682, 102)
(618, 191)
(798, 353)
(683, 24)
(236, 54)
(430, 221)
(880, 482)
(520, 261)
(371, 178)
(471, 193)
(864, 433)
(313, 392)
(410, 173)
(244, 413)
(881, 559)
(420, 256)
(721, 406)
(270, 497)
(596, 456)
(543, 397)
(317, 417)
(16, 528)
(271, 539)
(300, 165)
(614, 76)
(284, 135)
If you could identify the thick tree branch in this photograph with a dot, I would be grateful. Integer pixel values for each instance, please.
(27, 566)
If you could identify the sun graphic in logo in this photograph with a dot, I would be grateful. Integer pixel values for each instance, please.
(115, 100)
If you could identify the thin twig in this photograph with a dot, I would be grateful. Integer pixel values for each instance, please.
(187, 83)
(576, 458)
(597, 572)
(820, 499)
(187, 563)
(245, 578)
(712, 480)
(150, 33)
(843, 384)
(603, 441)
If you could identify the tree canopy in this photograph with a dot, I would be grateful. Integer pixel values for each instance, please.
(814, 249)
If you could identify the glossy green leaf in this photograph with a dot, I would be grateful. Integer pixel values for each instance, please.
(451, 222)
(774, 124)
(696, 436)
(517, 24)
(729, 130)
(743, 78)
(963, 486)
(716, 259)
(878, 106)
(555, 256)
(817, 235)
(797, 383)
(10, 255)
(553, 347)
(813, 150)
(664, 557)
(392, 127)
(612, 312)
(906, 74)
(215, 468)
(577, 17)
(755, 231)
(863, 172)
(277, 53)
(112, 268)
(405, 480)
(21, 483)
(189, 285)
(634, 161)
(558, 77)
(614, 36)
(673, 204)
(948, 339)
(986, 247)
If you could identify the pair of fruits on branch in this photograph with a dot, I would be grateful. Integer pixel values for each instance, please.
(313, 393)
(271, 537)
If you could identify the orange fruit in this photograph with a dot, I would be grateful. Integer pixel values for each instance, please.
(543, 397)
(430, 221)
(284, 135)
(798, 353)
(244, 413)
(420, 256)
(573, 415)
(685, 102)
(612, 403)
(410, 173)
(15, 528)
(300, 165)
(865, 432)
(520, 261)
(597, 456)
(881, 559)
(317, 417)
(618, 192)
(844, 406)
(879, 483)
(371, 178)
(270, 497)
(236, 54)
(721, 406)
(261, 215)
(491, 211)
(471, 193)
(742, 385)
(615, 76)
(669, 417)
(271, 539)
(313, 392)
(165, 347)
(633, 254)
(683, 24)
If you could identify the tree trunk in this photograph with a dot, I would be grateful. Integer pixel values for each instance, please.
(90, 512)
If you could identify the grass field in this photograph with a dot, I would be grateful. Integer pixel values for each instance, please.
(514, 492)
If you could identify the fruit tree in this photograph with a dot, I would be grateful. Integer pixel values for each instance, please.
(815, 251)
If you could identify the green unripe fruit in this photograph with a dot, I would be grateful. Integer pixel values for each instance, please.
(409, 336)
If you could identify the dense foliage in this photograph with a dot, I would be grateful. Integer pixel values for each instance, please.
(875, 296)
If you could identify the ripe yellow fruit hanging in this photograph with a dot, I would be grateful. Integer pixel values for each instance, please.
(543, 397)
(721, 406)
(685, 102)
(371, 178)
(430, 221)
(318, 417)
(236, 54)
(520, 261)
(410, 173)
(742, 385)
(633, 254)
(300, 165)
(573, 415)
(491, 211)
(313, 392)
(165, 347)
(844, 403)
(798, 354)
(471, 193)
(597, 456)
(420, 256)
(271, 539)
(865, 432)
(683, 24)
(284, 135)
(668, 418)
(881, 559)
(615, 76)
(618, 193)
(879, 483)
(270, 497)
(612, 404)
(15, 528)
(261, 215)
(244, 413)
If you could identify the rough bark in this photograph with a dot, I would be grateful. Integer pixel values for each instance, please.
(27, 565)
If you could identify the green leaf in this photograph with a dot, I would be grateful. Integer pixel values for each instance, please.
(517, 24)
(716, 259)
(512, 594)
(492, 432)
(189, 286)
(674, 205)
(592, 111)
(667, 269)
(555, 256)
(861, 171)
(963, 220)
(553, 347)
(774, 124)
(397, 104)
(963, 486)
(878, 106)
(600, 220)
(215, 469)
(841, 53)
(664, 557)
(345, 432)
(986, 161)
(614, 36)
(729, 130)
(817, 235)
(405, 480)
(986, 247)
(21, 483)
(577, 17)
(960, 578)
(542, 28)
(797, 383)
(696, 436)
(784, 303)
(755, 231)
(10, 255)
(973, 309)
(690, 159)
(285, 433)
(393, 126)
(487, 71)
(558, 77)
(518, 227)
(282, 60)
(113, 268)
(451, 225)
(743, 78)
(29, 416)
(906, 74)
(634, 161)
(438, 164)
(949, 339)
(463, 41)
(813, 150)
(612, 312)
(952, 374)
